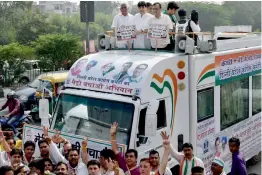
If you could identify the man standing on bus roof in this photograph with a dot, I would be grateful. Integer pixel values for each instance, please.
(122, 19)
(238, 161)
(149, 7)
(187, 160)
(140, 20)
(161, 19)
(217, 166)
(172, 7)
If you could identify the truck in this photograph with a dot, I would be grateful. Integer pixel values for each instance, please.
(204, 98)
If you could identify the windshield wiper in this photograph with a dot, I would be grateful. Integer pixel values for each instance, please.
(31, 86)
(106, 124)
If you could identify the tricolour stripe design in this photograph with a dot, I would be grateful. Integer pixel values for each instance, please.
(173, 91)
(208, 71)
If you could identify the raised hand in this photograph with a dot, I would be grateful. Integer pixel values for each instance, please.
(113, 129)
(165, 137)
(45, 131)
(57, 138)
(45, 134)
(84, 142)
(111, 164)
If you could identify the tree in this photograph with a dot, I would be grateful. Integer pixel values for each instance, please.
(36, 24)
(106, 7)
(11, 15)
(210, 14)
(54, 49)
(14, 54)
(245, 13)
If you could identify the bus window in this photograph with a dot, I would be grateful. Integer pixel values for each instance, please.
(205, 104)
(234, 102)
(161, 117)
(256, 94)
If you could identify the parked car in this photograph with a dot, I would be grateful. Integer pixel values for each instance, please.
(32, 70)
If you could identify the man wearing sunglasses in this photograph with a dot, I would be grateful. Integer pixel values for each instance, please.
(122, 19)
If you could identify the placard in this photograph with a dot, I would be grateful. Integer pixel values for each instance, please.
(157, 31)
(95, 146)
(126, 33)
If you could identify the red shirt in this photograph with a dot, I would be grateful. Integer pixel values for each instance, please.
(13, 107)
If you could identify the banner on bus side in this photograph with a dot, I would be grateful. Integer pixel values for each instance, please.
(95, 146)
(211, 144)
(237, 65)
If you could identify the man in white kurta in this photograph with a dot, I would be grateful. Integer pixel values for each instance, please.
(186, 159)
(75, 166)
(163, 20)
(122, 19)
(141, 20)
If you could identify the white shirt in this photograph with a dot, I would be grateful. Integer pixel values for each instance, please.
(141, 24)
(180, 158)
(8, 163)
(103, 172)
(195, 27)
(121, 20)
(167, 172)
(81, 168)
(162, 20)
(5, 156)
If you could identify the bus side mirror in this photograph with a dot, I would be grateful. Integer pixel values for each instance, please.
(44, 112)
(151, 118)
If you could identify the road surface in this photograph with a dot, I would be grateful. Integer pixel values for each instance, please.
(255, 169)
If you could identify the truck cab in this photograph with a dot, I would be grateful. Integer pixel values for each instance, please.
(137, 89)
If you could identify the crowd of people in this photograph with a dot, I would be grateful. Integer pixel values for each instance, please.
(72, 161)
(153, 14)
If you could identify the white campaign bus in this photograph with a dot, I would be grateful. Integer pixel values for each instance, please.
(202, 98)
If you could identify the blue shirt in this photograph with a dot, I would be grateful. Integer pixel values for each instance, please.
(238, 164)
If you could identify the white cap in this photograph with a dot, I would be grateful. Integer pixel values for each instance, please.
(219, 161)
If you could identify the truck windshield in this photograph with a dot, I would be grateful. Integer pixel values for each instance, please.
(93, 117)
(45, 84)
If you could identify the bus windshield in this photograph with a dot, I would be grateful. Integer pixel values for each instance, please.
(93, 117)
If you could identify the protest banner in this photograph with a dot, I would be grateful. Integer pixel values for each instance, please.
(126, 33)
(95, 146)
(157, 31)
